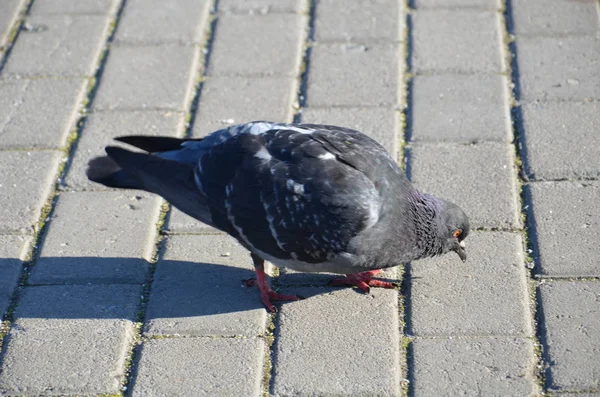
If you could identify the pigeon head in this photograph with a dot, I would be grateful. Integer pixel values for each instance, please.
(455, 230)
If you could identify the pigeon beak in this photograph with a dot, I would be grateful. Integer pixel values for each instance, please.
(459, 248)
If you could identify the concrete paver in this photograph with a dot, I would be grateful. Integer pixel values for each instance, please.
(548, 16)
(147, 77)
(562, 140)
(58, 45)
(13, 249)
(485, 4)
(559, 69)
(324, 341)
(572, 331)
(473, 367)
(38, 113)
(443, 41)
(262, 6)
(198, 290)
(69, 340)
(338, 73)
(25, 179)
(160, 21)
(567, 222)
(460, 108)
(179, 222)
(200, 367)
(491, 285)
(9, 10)
(243, 43)
(98, 237)
(49, 7)
(477, 177)
(101, 127)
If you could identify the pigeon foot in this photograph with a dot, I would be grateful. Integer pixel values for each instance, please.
(266, 293)
(363, 281)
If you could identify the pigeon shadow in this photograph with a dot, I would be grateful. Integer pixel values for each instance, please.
(109, 288)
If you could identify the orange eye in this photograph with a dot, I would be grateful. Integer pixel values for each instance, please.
(457, 233)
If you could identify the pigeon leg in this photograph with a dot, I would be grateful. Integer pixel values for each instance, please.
(363, 280)
(266, 293)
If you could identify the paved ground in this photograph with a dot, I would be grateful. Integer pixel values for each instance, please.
(494, 104)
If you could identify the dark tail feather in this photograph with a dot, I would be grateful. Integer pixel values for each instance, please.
(106, 171)
(153, 144)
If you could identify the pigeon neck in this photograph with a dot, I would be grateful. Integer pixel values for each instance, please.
(427, 210)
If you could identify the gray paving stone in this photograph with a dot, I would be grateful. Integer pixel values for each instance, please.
(381, 124)
(262, 6)
(562, 139)
(200, 367)
(98, 237)
(250, 45)
(550, 16)
(460, 108)
(353, 75)
(178, 222)
(338, 342)
(233, 100)
(559, 68)
(487, 295)
(572, 332)
(473, 367)
(49, 7)
(488, 4)
(69, 340)
(147, 77)
(479, 178)
(102, 127)
(567, 221)
(58, 45)
(25, 179)
(13, 250)
(444, 40)
(198, 290)
(353, 20)
(9, 10)
(158, 21)
(38, 113)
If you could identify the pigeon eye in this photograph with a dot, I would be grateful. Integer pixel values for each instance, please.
(457, 233)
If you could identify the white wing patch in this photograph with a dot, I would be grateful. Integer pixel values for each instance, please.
(327, 156)
(264, 154)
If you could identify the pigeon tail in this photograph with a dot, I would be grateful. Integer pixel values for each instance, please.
(106, 171)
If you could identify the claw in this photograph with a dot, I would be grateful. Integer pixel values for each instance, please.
(363, 281)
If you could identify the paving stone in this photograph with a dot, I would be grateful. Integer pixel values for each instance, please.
(338, 342)
(262, 6)
(140, 77)
(489, 4)
(58, 45)
(49, 7)
(38, 113)
(551, 16)
(200, 367)
(25, 181)
(9, 10)
(567, 222)
(233, 100)
(381, 124)
(158, 21)
(487, 295)
(562, 140)
(13, 250)
(460, 108)
(479, 178)
(473, 367)
(445, 40)
(198, 291)
(559, 68)
(251, 45)
(179, 222)
(353, 20)
(572, 334)
(353, 75)
(70, 339)
(102, 127)
(98, 237)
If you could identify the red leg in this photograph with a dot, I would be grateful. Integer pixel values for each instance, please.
(363, 281)
(266, 293)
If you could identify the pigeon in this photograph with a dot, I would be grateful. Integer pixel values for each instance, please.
(308, 197)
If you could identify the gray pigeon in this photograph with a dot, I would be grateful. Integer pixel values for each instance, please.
(313, 198)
